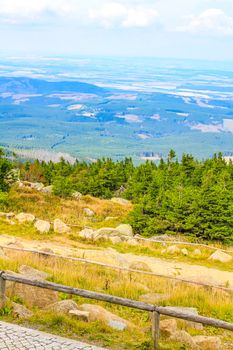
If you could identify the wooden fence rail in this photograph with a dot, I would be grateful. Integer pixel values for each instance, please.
(119, 268)
(156, 311)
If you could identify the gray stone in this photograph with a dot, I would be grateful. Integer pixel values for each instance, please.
(80, 315)
(88, 212)
(21, 311)
(221, 256)
(60, 227)
(42, 226)
(23, 217)
(63, 306)
(121, 201)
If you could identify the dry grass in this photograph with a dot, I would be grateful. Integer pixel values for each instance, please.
(129, 285)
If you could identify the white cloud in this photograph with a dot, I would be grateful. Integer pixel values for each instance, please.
(119, 14)
(211, 22)
(14, 11)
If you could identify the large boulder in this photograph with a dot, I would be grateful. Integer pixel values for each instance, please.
(125, 230)
(33, 296)
(63, 306)
(221, 256)
(208, 343)
(98, 313)
(23, 217)
(42, 226)
(60, 227)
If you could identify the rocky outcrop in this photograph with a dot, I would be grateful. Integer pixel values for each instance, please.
(60, 227)
(42, 226)
(122, 233)
(23, 217)
(221, 256)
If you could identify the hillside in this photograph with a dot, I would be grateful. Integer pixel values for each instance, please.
(20, 233)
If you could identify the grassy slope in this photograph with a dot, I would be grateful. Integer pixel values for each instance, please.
(210, 303)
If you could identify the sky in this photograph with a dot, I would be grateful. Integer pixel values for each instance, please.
(196, 29)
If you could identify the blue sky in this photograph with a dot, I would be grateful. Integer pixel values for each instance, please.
(198, 29)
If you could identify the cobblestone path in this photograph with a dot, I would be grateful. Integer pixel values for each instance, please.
(13, 337)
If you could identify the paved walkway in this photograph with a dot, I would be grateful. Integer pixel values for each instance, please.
(13, 337)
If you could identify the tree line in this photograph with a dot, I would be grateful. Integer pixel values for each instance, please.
(186, 196)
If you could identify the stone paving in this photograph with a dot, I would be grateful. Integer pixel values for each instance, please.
(13, 337)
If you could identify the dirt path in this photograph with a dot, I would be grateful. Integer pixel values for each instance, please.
(110, 256)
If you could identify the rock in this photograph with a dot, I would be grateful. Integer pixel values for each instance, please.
(42, 226)
(109, 218)
(153, 298)
(188, 310)
(197, 252)
(10, 215)
(186, 339)
(33, 296)
(168, 327)
(23, 217)
(133, 242)
(185, 252)
(60, 227)
(115, 240)
(80, 315)
(21, 311)
(160, 238)
(37, 186)
(32, 273)
(208, 343)
(105, 233)
(77, 195)
(98, 313)
(87, 233)
(220, 256)
(125, 230)
(121, 201)
(88, 212)
(173, 250)
(140, 265)
(47, 189)
(10, 222)
(63, 307)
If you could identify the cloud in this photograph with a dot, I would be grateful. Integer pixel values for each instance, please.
(211, 22)
(15, 11)
(119, 14)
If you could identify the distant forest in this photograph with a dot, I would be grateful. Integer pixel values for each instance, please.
(187, 197)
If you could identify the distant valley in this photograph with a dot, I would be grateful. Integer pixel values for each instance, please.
(142, 109)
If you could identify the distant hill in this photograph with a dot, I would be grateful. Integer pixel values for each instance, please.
(28, 85)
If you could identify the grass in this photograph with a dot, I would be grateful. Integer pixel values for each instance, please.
(211, 303)
(216, 304)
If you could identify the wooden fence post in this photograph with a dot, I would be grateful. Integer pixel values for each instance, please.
(2, 291)
(155, 329)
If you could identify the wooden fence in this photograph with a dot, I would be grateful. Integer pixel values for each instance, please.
(119, 268)
(155, 311)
